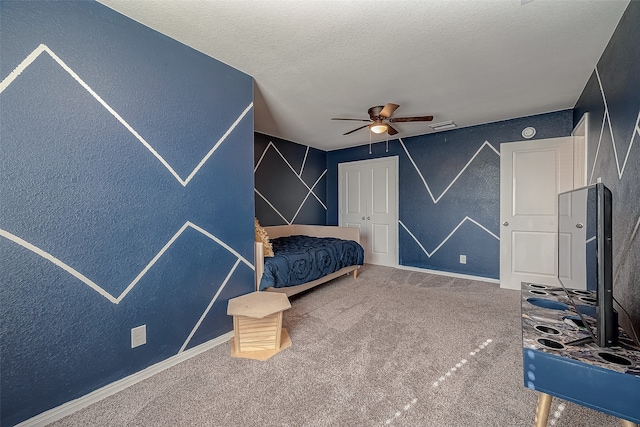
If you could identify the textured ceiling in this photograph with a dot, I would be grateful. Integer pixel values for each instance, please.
(468, 61)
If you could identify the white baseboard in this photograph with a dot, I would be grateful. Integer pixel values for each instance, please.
(69, 408)
(446, 273)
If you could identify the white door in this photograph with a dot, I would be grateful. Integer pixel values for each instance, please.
(532, 174)
(368, 200)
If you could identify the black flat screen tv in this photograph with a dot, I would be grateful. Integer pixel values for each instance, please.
(585, 260)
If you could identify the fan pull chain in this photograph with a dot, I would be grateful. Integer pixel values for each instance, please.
(387, 142)
(369, 141)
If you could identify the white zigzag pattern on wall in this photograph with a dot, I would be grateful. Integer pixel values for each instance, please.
(436, 200)
(99, 289)
(43, 48)
(116, 300)
(430, 254)
(607, 119)
(298, 175)
(12, 77)
(206, 311)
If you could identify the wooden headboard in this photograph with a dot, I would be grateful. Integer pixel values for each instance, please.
(346, 233)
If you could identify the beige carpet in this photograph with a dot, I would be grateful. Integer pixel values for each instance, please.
(393, 347)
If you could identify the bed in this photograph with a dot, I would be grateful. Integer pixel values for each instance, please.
(342, 242)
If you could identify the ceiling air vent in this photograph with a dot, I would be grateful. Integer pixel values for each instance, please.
(443, 125)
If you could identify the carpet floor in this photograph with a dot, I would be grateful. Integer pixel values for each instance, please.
(394, 347)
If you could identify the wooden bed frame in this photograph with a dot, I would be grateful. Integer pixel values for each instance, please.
(346, 233)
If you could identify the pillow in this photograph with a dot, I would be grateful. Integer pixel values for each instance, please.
(262, 236)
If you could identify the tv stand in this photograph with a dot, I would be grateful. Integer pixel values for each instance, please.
(561, 360)
(544, 407)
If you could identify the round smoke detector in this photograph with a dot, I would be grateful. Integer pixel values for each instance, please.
(528, 132)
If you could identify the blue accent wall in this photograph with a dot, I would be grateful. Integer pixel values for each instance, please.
(612, 100)
(290, 182)
(122, 201)
(449, 191)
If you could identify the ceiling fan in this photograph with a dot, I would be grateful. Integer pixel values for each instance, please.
(380, 118)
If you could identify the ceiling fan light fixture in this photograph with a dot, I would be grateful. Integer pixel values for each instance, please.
(380, 120)
(378, 127)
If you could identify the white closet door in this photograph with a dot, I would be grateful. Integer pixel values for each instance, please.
(368, 200)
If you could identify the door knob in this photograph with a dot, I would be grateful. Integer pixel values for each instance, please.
(505, 223)
(579, 225)
(368, 218)
(363, 218)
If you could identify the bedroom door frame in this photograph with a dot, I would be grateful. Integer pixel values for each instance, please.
(373, 215)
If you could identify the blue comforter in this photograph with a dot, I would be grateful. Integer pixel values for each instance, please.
(301, 259)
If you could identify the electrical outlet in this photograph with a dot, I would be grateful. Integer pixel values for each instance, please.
(463, 259)
(138, 336)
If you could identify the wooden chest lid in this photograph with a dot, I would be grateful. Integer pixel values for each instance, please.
(258, 304)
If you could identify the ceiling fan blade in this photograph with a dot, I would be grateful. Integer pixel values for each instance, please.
(391, 131)
(352, 131)
(388, 110)
(357, 120)
(411, 119)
